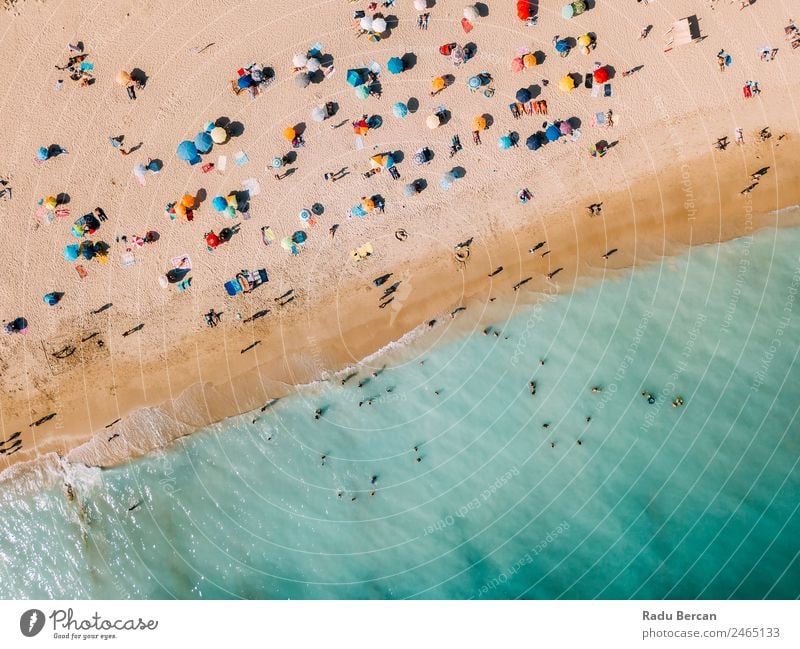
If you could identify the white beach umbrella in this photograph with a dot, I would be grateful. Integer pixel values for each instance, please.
(312, 65)
(299, 60)
(432, 121)
(366, 23)
(420, 5)
(379, 25)
(319, 113)
(471, 13)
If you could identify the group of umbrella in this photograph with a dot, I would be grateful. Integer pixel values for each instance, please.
(190, 150)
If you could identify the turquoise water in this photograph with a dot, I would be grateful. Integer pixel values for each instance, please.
(697, 501)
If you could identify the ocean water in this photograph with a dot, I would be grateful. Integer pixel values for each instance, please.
(698, 501)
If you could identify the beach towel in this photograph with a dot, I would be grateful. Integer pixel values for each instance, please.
(359, 143)
(233, 288)
(607, 90)
(184, 262)
(596, 90)
(599, 119)
(466, 25)
(240, 158)
(267, 235)
(261, 276)
(127, 259)
(222, 162)
(208, 166)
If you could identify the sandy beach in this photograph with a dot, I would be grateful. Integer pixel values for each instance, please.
(663, 186)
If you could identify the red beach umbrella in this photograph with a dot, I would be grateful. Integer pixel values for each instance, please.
(212, 240)
(601, 75)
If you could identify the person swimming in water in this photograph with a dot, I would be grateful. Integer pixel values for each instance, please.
(597, 388)
(677, 402)
(317, 413)
(532, 385)
(650, 398)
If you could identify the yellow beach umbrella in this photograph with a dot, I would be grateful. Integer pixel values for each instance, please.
(478, 123)
(50, 202)
(289, 133)
(438, 83)
(124, 78)
(368, 204)
(529, 60)
(585, 40)
(566, 84)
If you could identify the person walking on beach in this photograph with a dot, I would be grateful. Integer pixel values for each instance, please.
(116, 142)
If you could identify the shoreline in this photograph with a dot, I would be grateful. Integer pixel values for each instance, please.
(203, 403)
(663, 188)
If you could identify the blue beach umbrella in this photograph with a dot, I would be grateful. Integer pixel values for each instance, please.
(244, 81)
(209, 127)
(523, 95)
(400, 110)
(533, 142)
(304, 215)
(355, 77)
(504, 142)
(71, 252)
(41, 153)
(552, 133)
(203, 142)
(219, 203)
(188, 151)
(299, 237)
(562, 46)
(474, 82)
(395, 65)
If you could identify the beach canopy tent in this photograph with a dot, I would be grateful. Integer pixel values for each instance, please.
(683, 31)
(385, 160)
(504, 143)
(552, 133)
(188, 151)
(573, 9)
(356, 77)
(523, 95)
(601, 75)
(395, 65)
(400, 110)
(533, 142)
(203, 142)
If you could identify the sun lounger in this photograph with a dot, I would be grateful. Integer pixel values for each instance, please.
(233, 288)
(240, 158)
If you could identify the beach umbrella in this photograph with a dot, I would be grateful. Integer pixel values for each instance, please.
(124, 78)
(313, 65)
(302, 80)
(565, 128)
(562, 46)
(212, 240)
(368, 204)
(289, 133)
(409, 190)
(474, 82)
(277, 162)
(140, 171)
(533, 142)
(458, 55)
(362, 92)
(420, 5)
(187, 151)
(361, 127)
(567, 12)
(447, 180)
(209, 127)
(400, 110)
(203, 142)
(304, 215)
(552, 133)
(471, 13)
(585, 40)
(478, 123)
(524, 9)
(51, 299)
(566, 84)
(601, 75)
(517, 64)
(432, 121)
(319, 113)
(523, 95)
(179, 209)
(87, 250)
(245, 81)
(230, 212)
(219, 203)
(355, 78)
(288, 244)
(72, 252)
(438, 83)
(42, 154)
(188, 201)
(504, 143)
(299, 60)
(395, 65)
(366, 23)
(379, 25)
(299, 237)
(50, 202)
(529, 60)
(219, 135)
(376, 162)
